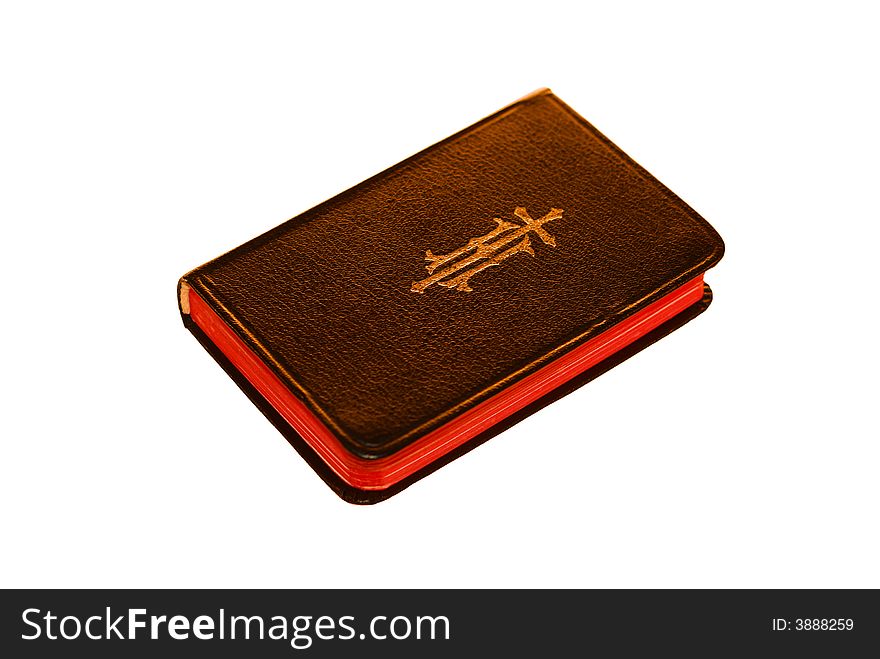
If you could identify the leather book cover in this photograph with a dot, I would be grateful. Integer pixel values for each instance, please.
(399, 324)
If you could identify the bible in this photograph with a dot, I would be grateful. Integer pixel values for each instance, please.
(412, 317)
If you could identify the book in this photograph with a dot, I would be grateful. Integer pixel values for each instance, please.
(412, 317)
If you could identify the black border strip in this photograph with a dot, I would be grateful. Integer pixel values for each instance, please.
(495, 623)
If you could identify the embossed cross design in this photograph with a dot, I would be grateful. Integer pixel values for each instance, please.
(454, 270)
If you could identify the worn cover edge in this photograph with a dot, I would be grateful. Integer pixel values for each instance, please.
(368, 497)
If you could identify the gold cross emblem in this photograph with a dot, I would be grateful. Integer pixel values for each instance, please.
(455, 269)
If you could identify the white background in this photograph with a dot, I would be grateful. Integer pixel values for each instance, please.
(138, 141)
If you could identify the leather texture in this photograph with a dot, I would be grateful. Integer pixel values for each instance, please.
(326, 298)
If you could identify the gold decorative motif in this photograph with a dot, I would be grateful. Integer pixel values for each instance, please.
(454, 270)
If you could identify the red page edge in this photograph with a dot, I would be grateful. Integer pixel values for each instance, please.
(381, 473)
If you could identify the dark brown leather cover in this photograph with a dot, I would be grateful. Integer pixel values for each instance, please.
(336, 301)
